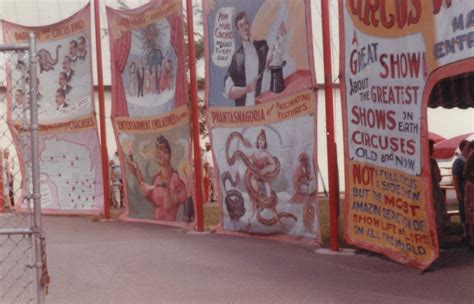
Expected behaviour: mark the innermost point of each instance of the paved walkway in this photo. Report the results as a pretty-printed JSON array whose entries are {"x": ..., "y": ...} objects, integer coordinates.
[{"x": 117, "y": 262}]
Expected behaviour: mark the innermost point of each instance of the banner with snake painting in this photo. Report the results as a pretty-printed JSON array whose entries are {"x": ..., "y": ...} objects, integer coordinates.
[
  {"x": 150, "y": 112},
  {"x": 397, "y": 59},
  {"x": 71, "y": 172},
  {"x": 262, "y": 116}
]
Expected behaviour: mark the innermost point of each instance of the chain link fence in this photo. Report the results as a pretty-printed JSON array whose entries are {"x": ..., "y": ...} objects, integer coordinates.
[{"x": 23, "y": 274}]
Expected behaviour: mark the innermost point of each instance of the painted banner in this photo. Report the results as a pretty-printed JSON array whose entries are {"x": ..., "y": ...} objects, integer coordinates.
[
  {"x": 150, "y": 112},
  {"x": 392, "y": 54},
  {"x": 158, "y": 171},
  {"x": 65, "y": 87},
  {"x": 70, "y": 164},
  {"x": 262, "y": 115},
  {"x": 148, "y": 64}
]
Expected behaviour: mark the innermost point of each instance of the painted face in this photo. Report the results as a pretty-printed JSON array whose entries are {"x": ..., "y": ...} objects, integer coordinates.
[
  {"x": 81, "y": 45},
  {"x": 162, "y": 154},
  {"x": 243, "y": 27},
  {"x": 59, "y": 99},
  {"x": 62, "y": 80},
  {"x": 66, "y": 64},
  {"x": 72, "y": 50},
  {"x": 261, "y": 141}
]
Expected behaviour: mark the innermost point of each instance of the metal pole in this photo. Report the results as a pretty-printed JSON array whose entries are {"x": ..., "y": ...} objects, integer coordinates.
[
  {"x": 103, "y": 138},
  {"x": 331, "y": 144},
  {"x": 195, "y": 118},
  {"x": 35, "y": 171}
]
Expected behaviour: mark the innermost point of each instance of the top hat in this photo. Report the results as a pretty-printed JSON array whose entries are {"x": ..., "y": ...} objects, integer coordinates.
[{"x": 277, "y": 83}]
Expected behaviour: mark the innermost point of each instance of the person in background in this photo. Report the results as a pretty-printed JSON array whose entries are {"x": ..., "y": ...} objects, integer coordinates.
[
  {"x": 209, "y": 178},
  {"x": 469, "y": 196},
  {"x": 459, "y": 181},
  {"x": 18, "y": 107},
  {"x": 118, "y": 174},
  {"x": 115, "y": 186},
  {"x": 439, "y": 199},
  {"x": 7, "y": 178}
]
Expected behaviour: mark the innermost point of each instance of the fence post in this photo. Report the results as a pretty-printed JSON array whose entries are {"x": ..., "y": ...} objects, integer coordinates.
[{"x": 37, "y": 242}]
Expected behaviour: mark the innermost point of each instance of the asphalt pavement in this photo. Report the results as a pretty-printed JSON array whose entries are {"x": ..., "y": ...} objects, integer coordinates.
[{"x": 120, "y": 262}]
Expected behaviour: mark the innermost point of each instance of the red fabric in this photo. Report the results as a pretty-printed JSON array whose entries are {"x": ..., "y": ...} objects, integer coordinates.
[
  {"x": 120, "y": 50},
  {"x": 177, "y": 34},
  {"x": 446, "y": 148},
  {"x": 297, "y": 81},
  {"x": 435, "y": 137}
]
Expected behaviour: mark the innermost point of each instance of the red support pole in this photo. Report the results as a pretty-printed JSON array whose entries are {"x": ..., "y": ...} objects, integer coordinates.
[
  {"x": 331, "y": 144},
  {"x": 103, "y": 138},
  {"x": 195, "y": 118}
]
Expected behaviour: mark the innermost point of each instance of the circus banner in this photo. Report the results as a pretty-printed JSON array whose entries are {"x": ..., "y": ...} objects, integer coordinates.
[
  {"x": 392, "y": 55},
  {"x": 64, "y": 79},
  {"x": 147, "y": 53},
  {"x": 70, "y": 166},
  {"x": 262, "y": 116},
  {"x": 150, "y": 112},
  {"x": 71, "y": 176},
  {"x": 158, "y": 168}
]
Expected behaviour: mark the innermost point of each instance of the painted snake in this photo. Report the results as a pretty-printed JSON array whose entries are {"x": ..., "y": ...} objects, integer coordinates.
[{"x": 234, "y": 199}]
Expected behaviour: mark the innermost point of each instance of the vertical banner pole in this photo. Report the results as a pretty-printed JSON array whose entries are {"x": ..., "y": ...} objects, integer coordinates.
[
  {"x": 103, "y": 138},
  {"x": 195, "y": 118},
  {"x": 331, "y": 144}
]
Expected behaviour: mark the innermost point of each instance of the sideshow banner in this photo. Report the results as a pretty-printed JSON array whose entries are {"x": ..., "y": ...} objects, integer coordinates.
[
  {"x": 262, "y": 115},
  {"x": 64, "y": 79},
  {"x": 70, "y": 166},
  {"x": 267, "y": 169},
  {"x": 157, "y": 167},
  {"x": 388, "y": 55},
  {"x": 148, "y": 63},
  {"x": 257, "y": 50}
]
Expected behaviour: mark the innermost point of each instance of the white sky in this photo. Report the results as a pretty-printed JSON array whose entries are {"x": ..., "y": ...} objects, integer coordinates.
[
  {"x": 447, "y": 123},
  {"x": 44, "y": 12}
]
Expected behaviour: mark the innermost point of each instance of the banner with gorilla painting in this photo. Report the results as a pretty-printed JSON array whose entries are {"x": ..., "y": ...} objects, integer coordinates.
[
  {"x": 70, "y": 162},
  {"x": 147, "y": 54},
  {"x": 262, "y": 115}
]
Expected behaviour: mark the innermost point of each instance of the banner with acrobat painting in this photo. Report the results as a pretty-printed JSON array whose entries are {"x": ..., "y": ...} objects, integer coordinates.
[
  {"x": 147, "y": 56},
  {"x": 158, "y": 169},
  {"x": 256, "y": 50},
  {"x": 391, "y": 59},
  {"x": 64, "y": 78}
]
